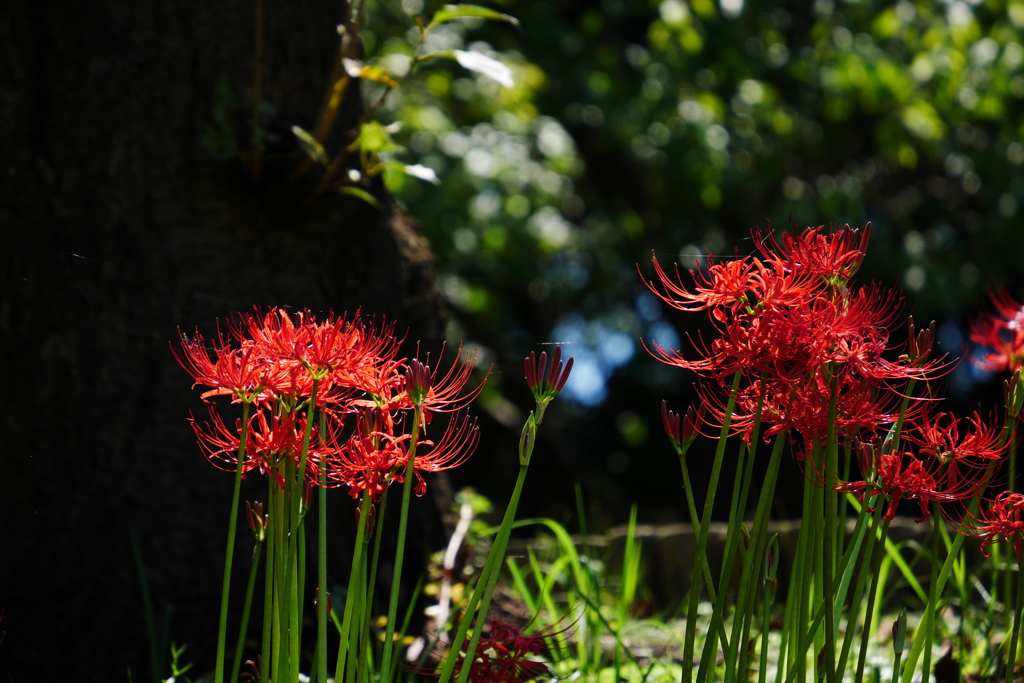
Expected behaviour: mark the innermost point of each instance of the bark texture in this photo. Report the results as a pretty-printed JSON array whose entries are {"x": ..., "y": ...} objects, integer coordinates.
[{"x": 118, "y": 227}]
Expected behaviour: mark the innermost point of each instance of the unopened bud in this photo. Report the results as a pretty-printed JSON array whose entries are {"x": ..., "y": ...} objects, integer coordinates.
[
  {"x": 316, "y": 600},
  {"x": 257, "y": 520},
  {"x": 771, "y": 559},
  {"x": 899, "y": 632},
  {"x": 867, "y": 459},
  {"x": 307, "y": 498},
  {"x": 1013, "y": 394},
  {"x": 371, "y": 521},
  {"x": 527, "y": 440},
  {"x": 920, "y": 344},
  {"x": 417, "y": 382},
  {"x": 545, "y": 383}
]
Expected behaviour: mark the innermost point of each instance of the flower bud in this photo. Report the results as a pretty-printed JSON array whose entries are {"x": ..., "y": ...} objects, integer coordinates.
[
  {"x": 417, "y": 382},
  {"x": 899, "y": 632},
  {"x": 316, "y": 600},
  {"x": 771, "y": 559},
  {"x": 527, "y": 440},
  {"x": 920, "y": 344},
  {"x": 1013, "y": 394},
  {"x": 257, "y": 520},
  {"x": 545, "y": 383}
]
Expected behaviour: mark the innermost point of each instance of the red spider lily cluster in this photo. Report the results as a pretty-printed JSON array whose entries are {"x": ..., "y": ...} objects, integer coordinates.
[
  {"x": 1001, "y": 334},
  {"x": 331, "y": 398},
  {"x": 506, "y": 655},
  {"x": 815, "y": 361}
]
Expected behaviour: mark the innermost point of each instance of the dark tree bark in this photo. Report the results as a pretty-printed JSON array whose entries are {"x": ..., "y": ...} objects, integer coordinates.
[{"x": 119, "y": 226}]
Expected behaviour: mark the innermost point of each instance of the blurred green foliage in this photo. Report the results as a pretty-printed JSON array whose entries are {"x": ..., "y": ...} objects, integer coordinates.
[{"x": 673, "y": 127}]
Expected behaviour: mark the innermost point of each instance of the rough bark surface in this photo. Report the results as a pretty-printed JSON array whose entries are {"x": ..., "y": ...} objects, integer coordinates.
[{"x": 118, "y": 227}]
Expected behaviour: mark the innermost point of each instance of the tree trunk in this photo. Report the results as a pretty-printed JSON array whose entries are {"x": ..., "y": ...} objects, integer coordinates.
[{"x": 120, "y": 223}]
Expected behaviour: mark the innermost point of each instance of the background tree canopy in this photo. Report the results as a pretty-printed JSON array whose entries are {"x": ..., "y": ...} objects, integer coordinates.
[{"x": 673, "y": 127}]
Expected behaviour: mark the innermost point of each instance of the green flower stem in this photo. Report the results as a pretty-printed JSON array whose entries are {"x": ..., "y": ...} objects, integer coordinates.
[
  {"x": 922, "y": 637},
  {"x": 403, "y": 525},
  {"x": 229, "y": 555},
  {"x": 748, "y": 584},
  {"x": 702, "y": 534},
  {"x": 374, "y": 559},
  {"x": 1015, "y": 606},
  {"x": 321, "y": 578},
  {"x": 735, "y": 528},
  {"x": 354, "y": 607},
  {"x": 766, "y": 613},
  {"x": 864, "y": 575},
  {"x": 694, "y": 522},
  {"x": 933, "y": 599},
  {"x": 278, "y": 522},
  {"x": 268, "y": 585},
  {"x": 480, "y": 600},
  {"x": 866, "y": 631},
  {"x": 795, "y": 616},
  {"x": 236, "y": 666}
]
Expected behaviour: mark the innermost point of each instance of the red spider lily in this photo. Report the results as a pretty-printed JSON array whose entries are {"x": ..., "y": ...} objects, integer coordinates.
[
  {"x": 269, "y": 442},
  {"x": 239, "y": 372},
  {"x": 938, "y": 434},
  {"x": 970, "y": 457},
  {"x": 543, "y": 382},
  {"x": 506, "y": 655},
  {"x": 1002, "y": 333},
  {"x": 834, "y": 256},
  {"x": 348, "y": 348},
  {"x": 367, "y": 461},
  {"x": 447, "y": 393},
  {"x": 900, "y": 476},
  {"x": 454, "y": 448},
  {"x": 909, "y": 475},
  {"x": 732, "y": 287},
  {"x": 1003, "y": 521},
  {"x": 373, "y": 457}
]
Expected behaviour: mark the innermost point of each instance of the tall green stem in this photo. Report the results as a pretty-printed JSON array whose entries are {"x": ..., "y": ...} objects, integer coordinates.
[
  {"x": 702, "y": 535},
  {"x": 1011, "y": 655},
  {"x": 230, "y": 553},
  {"x": 403, "y": 525}
]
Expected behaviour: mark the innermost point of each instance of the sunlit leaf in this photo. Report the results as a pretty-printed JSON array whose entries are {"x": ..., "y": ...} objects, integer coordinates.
[
  {"x": 422, "y": 172},
  {"x": 313, "y": 148},
  {"x": 360, "y": 193},
  {"x": 487, "y": 66},
  {"x": 452, "y": 12},
  {"x": 374, "y": 137},
  {"x": 357, "y": 69}
]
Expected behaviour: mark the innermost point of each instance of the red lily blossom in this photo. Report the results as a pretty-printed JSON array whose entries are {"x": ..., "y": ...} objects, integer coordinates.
[
  {"x": 374, "y": 456},
  {"x": 269, "y": 441},
  {"x": 1001, "y": 333},
  {"x": 506, "y": 655},
  {"x": 1002, "y": 521},
  {"x": 239, "y": 372},
  {"x": 917, "y": 475},
  {"x": 835, "y": 256},
  {"x": 899, "y": 476}
]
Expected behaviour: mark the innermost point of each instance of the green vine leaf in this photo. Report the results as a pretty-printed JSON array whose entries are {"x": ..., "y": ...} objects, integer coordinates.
[
  {"x": 313, "y": 148},
  {"x": 360, "y": 193},
  {"x": 452, "y": 12},
  {"x": 357, "y": 69}
]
